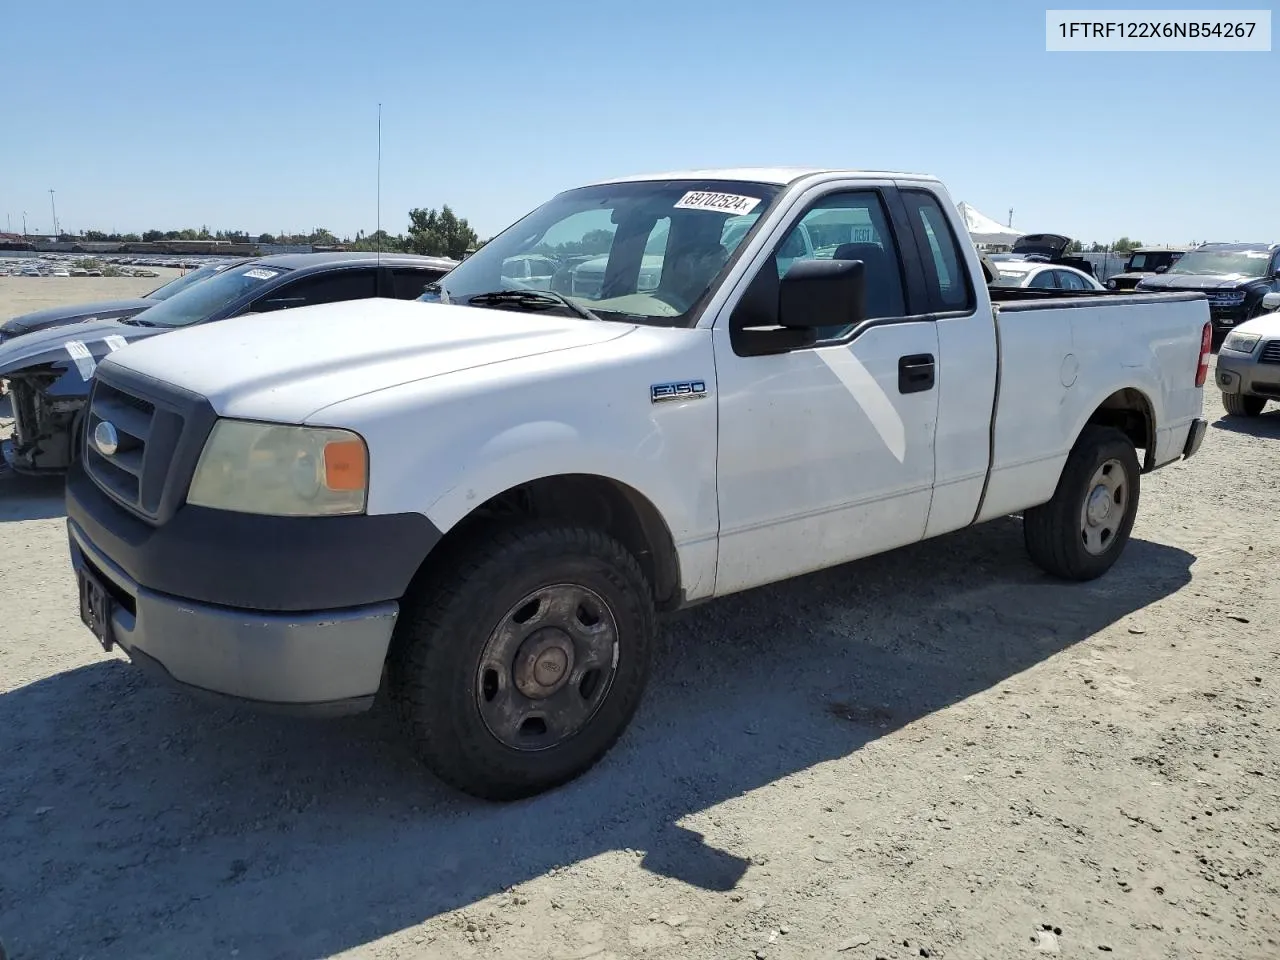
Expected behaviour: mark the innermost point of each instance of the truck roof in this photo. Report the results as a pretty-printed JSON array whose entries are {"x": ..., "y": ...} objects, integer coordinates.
[{"x": 777, "y": 175}]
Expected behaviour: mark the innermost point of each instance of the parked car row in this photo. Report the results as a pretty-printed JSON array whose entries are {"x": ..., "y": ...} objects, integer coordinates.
[
  {"x": 48, "y": 358},
  {"x": 646, "y": 393}
]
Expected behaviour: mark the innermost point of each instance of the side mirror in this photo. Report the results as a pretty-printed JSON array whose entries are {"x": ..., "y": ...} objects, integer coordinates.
[
  {"x": 1271, "y": 301},
  {"x": 1162, "y": 269},
  {"x": 776, "y": 316}
]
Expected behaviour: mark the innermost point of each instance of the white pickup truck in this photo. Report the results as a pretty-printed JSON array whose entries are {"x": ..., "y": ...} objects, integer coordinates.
[{"x": 478, "y": 505}]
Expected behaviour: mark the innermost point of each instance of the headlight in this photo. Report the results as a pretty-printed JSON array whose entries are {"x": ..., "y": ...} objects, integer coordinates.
[
  {"x": 1241, "y": 342},
  {"x": 282, "y": 471}
]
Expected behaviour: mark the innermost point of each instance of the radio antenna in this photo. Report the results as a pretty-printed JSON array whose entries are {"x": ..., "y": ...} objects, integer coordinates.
[{"x": 378, "y": 215}]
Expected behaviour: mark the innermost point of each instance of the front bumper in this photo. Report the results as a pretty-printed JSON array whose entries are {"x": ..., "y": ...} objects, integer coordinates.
[
  {"x": 329, "y": 662},
  {"x": 291, "y": 612},
  {"x": 1228, "y": 317},
  {"x": 1242, "y": 373}
]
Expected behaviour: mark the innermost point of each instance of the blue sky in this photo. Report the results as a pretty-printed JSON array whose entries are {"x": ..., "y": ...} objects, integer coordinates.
[{"x": 262, "y": 116}]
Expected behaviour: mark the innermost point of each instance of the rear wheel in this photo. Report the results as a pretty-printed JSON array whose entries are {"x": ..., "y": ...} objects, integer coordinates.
[
  {"x": 1243, "y": 404},
  {"x": 519, "y": 662},
  {"x": 1082, "y": 531}
]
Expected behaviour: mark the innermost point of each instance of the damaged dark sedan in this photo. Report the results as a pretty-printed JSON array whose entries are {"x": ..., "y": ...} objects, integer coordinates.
[{"x": 48, "y": 371}]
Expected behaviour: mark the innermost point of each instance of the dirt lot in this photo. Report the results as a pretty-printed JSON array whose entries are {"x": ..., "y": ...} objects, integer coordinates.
[{"x": 938, "y": 753}]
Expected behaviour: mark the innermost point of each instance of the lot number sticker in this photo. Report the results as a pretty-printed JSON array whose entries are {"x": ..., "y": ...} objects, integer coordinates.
[
  {"x": 720, "y": 202},
  {"x": 257, "y": 273},
  {"x": 85, "y": 363}
]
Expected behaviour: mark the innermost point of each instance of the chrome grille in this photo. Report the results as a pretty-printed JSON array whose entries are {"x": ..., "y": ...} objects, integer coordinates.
[
  {"x": 136, "y": 472},
  {"x": 1270, "y": 352}
]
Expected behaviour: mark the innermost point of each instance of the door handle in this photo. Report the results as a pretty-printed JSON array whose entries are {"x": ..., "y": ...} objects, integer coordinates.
[{"x": 916, "y": 373}]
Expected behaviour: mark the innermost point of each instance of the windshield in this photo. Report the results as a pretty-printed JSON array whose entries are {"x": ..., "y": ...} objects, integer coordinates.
[
  {"x": 200, "y": 300},
  {"x": 1224, "y": 263},
  {"x": 178, "y": 284},
  {"x": 642, "y": 252}
]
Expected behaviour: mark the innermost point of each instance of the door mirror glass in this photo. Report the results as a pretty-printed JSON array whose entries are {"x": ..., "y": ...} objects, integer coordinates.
[{"x": 1271, "y": 301}]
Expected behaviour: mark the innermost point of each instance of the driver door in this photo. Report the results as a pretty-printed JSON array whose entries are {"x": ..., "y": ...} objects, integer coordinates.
[{"x": 826, "y": 453}]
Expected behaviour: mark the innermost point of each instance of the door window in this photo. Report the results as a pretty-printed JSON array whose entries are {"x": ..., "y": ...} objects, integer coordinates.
[
  {"x": 409, "y": 283},
  {"x": 1044, "y": 279},
  {"x": 322, "y": 288},
  {"x": 850, "y": 226}
]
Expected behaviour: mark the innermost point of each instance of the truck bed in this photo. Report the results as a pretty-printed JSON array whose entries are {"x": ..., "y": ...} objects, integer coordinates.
[{"x": 1053, "y": 375}]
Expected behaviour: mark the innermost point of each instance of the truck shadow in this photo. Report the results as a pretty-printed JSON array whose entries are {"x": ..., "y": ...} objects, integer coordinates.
[
  {"x": 30, "y": 498},
  {"x": 1266, "y": 425},
  {"x": 138, "y": 822}
]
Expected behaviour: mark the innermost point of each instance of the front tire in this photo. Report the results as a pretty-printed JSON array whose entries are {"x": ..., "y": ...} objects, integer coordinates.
[
  {"x": 1243, "y": 404},
  {"x": 1081, "y": 532},
  {"x": 519, "y": 661}
]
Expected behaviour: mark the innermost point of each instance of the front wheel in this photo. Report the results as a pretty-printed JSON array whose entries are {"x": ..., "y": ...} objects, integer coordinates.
[
  {"x": 519, "y": 662},
  {"x": 1082, "y": 531},
  {"x": 1243, "y": 404}
]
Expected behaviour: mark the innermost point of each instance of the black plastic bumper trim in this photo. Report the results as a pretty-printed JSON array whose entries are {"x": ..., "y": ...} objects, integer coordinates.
[{"x": 256, "y": 562}]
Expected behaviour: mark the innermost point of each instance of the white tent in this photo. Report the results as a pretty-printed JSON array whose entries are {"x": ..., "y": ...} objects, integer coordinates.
[{"x": 984, "y": 230}]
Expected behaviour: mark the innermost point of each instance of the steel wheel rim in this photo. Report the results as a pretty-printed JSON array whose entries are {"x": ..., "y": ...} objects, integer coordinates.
[
  {"x": 1106, "y": 504},
  {"x": 547, "y": 667}
]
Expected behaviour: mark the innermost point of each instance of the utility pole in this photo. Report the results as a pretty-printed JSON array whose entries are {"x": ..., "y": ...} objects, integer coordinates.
[
  {"x": 1010, "y": 223},
  {"x": 54, "y": 210},
  {"x": 24, "y": 224}
]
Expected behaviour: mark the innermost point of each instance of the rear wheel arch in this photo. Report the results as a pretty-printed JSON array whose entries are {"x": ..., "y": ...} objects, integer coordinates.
[{"x": 1130, "y": 411}]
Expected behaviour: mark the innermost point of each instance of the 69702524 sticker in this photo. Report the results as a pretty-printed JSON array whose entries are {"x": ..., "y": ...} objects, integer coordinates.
[{"x": 731, "y": 203}]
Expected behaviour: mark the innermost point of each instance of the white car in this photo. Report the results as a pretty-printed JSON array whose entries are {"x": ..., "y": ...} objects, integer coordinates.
[
  {"x": 1249, "y": 362},
  {"x": 479, "y": 505},
  {"x": 1029, "y": 274}
]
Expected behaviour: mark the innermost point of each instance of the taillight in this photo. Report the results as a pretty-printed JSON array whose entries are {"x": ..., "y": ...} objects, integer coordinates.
[{"x": 1206, "y": 349}]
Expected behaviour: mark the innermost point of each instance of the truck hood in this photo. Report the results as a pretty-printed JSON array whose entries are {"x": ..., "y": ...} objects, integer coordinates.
[
  {"x": 56, "y": 316},
  {"x": 287, "y": 365},
  {"x": 50, "y": 345},
  {"x": 1195, "y": 281}
]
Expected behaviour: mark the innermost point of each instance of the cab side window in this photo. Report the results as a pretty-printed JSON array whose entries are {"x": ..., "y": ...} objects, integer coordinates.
[
  {"x": 943, "y": 262},
  {"x": 850, "y": 226},
  {"x": 1044, "y": 279}
]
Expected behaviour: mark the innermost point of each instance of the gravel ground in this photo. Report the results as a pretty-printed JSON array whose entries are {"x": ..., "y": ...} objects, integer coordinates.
[{"x": 938, "y": 752}]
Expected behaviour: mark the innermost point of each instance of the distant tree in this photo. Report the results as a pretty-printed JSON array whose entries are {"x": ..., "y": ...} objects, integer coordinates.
[
  {"x": 1124, "y": 245},
  {"x": 130, "y": 238},
  {"x": 151, "y": 236},
  {"x": 1075, "y": 247},
  {"x": 321, "y": 237},
  {"x": 266, "y": 238},
  {"x": 95, "y": 235},
  {"x": 440, "y": 234}
]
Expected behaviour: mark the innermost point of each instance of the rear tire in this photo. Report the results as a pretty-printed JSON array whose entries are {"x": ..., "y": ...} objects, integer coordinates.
[
  {"x": 1081, "y": 532},
  {"x": 1243, "y": 404},
  {"x": 520, "y": 658}
]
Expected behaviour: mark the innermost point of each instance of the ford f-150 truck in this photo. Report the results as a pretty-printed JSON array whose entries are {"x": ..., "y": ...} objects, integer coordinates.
[{"x": 477, "y": 506}]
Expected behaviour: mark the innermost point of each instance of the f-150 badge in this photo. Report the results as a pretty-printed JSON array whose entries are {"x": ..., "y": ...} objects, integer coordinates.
[{"x": 681, "y": 390}]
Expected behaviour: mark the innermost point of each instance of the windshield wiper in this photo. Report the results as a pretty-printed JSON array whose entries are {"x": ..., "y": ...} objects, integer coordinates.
[
  {"x": 532, "y": 299},
  {"x": 135, "y": 322}
]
